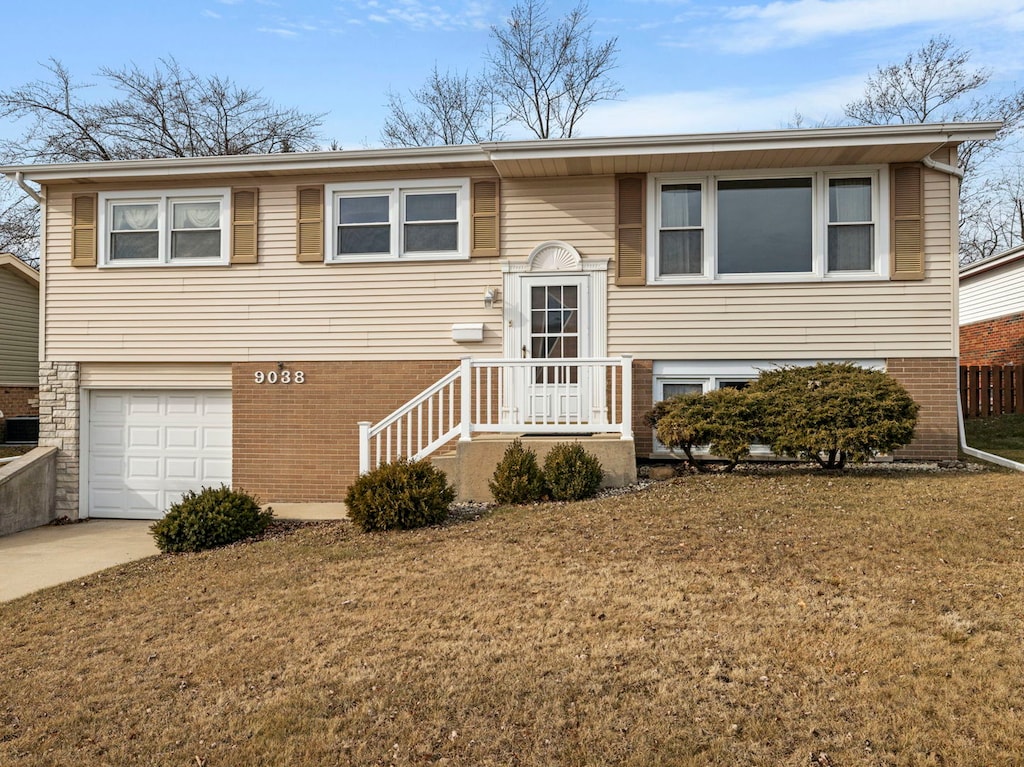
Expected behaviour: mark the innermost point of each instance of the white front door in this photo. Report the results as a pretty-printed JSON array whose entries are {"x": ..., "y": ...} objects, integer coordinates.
[{"x": 555, "y": 325}]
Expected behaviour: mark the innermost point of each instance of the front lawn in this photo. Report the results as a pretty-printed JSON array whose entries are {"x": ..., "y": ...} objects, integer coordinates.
[
  {"x": 750, "y": 619},
  {"x": 1002, "y": 435}
]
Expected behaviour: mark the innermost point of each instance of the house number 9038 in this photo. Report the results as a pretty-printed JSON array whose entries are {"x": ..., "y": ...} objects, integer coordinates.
[{"x": 282, "y": 377}]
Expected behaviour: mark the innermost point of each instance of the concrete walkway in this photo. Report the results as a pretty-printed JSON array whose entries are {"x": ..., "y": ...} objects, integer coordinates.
[{"x": 45, "y": 556}]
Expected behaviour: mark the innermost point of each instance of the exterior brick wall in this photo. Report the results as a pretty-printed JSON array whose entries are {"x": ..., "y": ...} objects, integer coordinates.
[
  {"x": 932, "y": 382},
  {"x": 59, "y": 417},
  {"x": 300, "y": 442},
  {"x": 643, "y": 400},
  {"x": 993, "y": 342},
  {"x": 17, "y": 401}
]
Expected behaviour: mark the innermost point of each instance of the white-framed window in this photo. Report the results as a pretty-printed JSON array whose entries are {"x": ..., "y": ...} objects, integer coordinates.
[
  {"x": 372, "y": 221},
  {"x": 672, "y": 377},
  {"x": 793, "y": 225},
  {"x": 184, "y": 227}
]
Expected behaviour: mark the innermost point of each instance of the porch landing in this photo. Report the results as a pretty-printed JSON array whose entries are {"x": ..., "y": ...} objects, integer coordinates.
[{"x": 472, "y": 464}]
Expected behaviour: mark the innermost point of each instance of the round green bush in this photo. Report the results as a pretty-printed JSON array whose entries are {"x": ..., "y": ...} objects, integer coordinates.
[
  {"x": 517, "y": 478},
  {"x": 400, "y": 496},
  {"x": 571, "y": 473},
  {"x": 210, "y": 518}
]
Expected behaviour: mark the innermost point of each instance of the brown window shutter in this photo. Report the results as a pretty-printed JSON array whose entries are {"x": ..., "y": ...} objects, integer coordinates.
[
  {"x": 310, "y": 229},
  {"x": 83, "y": 229},
  {"x": 486, "y": 218},
  {"x": 244, "y": 212},
  {"x": 907, "y": 223},
  {"x": 630, "y": 255}
]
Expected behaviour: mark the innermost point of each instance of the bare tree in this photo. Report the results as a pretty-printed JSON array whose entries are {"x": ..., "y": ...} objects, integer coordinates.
[
  {"x": 169, "y": 112},
  {"x": 448, "y": 109},
  {"x": 938, "y": 84},
  {"x": 548, "y": 74},
  {"x": 19, "y": 227}
]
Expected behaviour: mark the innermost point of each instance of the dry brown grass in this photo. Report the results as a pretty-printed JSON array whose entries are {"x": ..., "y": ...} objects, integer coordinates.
[{"x": 720, "y": 620}]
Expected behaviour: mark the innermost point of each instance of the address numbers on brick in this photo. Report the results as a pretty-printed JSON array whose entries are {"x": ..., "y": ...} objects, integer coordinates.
[{"x": 279, "y": 377}]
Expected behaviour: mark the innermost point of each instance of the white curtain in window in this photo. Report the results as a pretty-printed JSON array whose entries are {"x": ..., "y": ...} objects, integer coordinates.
[
  {"x": 134, "y": 217},
  {"x": 849, "y": 199},
  {"x": 196, "y": 215}
]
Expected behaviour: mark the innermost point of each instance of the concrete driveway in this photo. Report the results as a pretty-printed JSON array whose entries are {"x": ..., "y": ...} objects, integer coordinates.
[{"x": 45, "y": 556}]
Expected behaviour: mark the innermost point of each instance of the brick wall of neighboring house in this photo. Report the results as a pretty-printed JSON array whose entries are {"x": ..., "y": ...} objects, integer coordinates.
[
  {"x": 999, "y": 341},
  {"x": 299, "y": 442},
  {"x": 932, "y": 382},
  {"x": 17, "y": 401}
]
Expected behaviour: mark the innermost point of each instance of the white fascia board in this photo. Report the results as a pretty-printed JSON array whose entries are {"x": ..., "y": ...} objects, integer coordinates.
[
  {"x": 291, "y": 162},
  {"x": 931, "y": 136}
]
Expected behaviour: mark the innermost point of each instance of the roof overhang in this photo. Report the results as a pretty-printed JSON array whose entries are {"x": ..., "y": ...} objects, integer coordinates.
[
  {"x": 1006, "y": 258},
  {"x": 15, "y": 265},
  {"x": 559, "y": 157}
]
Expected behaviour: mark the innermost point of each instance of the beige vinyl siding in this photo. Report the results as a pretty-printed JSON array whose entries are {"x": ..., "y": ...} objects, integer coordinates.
[
  {"x": 580, "y": 211},
  {"x": 278, "y": 309},
  {"x": 832, "y": 319},
  {"x": 19, "y": 331},
  {"x": 182, "y": 375}
]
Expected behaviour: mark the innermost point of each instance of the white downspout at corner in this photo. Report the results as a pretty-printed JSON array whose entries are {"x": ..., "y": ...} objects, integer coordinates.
[
  {"x": 19, "y": 179},
  {"x": 942, "y": 167}
]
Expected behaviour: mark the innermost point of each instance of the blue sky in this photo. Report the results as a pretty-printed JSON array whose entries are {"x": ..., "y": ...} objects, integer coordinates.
[{"x": 685, "y": 66}]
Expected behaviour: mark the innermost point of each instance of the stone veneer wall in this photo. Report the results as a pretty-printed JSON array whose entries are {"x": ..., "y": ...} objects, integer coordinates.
[{"x": 59, "y": 428}]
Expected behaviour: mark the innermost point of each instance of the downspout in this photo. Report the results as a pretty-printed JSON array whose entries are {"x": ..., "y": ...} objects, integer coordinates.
[
  {"x": 980, "y": 454},
  {"x": 19, "y": 179},
  {"x": 942, "y": 167}
]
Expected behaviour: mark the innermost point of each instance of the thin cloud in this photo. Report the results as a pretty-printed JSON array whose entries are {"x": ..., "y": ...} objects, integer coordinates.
[
  {"x": 724, "y": 109},
  {"x": 210, "y": 14},
  {"x": 279, "y": 31},
  {"x": 787, "y": 23}
]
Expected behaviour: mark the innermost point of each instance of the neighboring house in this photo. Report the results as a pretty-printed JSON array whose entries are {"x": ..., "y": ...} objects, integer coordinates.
[
  {"x": 19, "y": 340},
  {"x": 992, "y": 310},
  {"x": 233, "y": 319}
]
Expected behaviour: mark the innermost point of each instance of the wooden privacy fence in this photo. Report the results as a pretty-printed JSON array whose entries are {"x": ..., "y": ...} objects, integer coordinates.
[{"x": 991, "y": 390}]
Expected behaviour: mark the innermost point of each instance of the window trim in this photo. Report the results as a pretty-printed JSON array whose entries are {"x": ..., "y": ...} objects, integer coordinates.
[
  {"x": 164, "y": 199},
  {"x": 397, "y": 192},
  {"x": 820, "y": 178}
]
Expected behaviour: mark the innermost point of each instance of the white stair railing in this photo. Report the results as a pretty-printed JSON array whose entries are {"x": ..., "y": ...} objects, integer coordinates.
[{"x": 520, "y": 396}]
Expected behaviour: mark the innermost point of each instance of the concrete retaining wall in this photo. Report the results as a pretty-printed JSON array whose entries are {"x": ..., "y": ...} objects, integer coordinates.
[{"x": 28, "y": 491}]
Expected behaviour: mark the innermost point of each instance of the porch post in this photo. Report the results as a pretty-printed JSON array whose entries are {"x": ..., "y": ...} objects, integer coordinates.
[
  {"x": 466, "y": 397},
  {"x": 627, "y": 396},
  {"x": 364, "y": 446}
]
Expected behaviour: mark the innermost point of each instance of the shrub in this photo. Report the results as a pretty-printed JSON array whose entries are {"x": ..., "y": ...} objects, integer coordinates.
[
  {"x": 400, "y": 495},
  {"x": 571, "y": 473},
  {"x": 210, "y": 518},
  {"x": 723, "y": 420},
  {"x": 517, "y": 477},
  {"x": 833, "y": 412}
]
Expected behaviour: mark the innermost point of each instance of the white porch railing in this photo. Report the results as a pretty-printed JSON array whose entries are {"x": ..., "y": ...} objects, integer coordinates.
[{"x": 519, "y": 396}]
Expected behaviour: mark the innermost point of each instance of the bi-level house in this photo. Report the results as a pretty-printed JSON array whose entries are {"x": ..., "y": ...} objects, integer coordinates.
[{"x": 280, "y": 322}]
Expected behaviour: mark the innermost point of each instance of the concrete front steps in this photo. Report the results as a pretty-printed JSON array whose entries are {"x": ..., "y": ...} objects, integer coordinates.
[{"x": 471, "y": 464}]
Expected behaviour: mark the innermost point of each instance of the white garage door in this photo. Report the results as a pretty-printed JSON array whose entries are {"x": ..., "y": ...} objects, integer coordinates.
[{"x": 146, "y": 448}]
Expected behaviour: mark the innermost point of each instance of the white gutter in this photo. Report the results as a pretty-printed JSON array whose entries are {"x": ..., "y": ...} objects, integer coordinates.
[
  {"x": 980, "y": 454},
  {"x": 942, "y": 167},
  {"x": 19, "y": 179}
]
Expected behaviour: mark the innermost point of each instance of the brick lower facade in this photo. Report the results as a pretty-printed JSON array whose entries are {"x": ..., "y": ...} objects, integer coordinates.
[
  {"x": 999, "y": 341},
  {"x": 300, "y": 442},
  {"x": 932, "y": 382}
]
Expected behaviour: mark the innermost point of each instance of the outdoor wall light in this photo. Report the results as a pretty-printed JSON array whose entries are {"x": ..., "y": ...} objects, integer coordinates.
[{"x": 489, "y": 297}]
